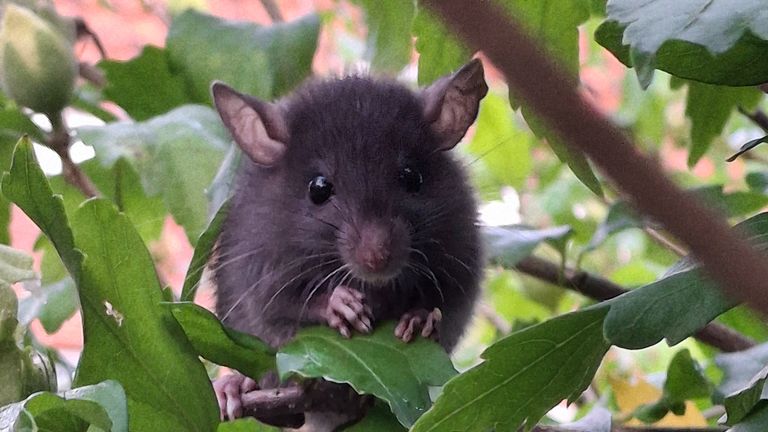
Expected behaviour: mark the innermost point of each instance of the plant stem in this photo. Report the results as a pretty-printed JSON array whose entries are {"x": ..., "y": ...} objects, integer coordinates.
[
  {"x": 273, "y": 10},
  {"x": 59, "y": 141}
]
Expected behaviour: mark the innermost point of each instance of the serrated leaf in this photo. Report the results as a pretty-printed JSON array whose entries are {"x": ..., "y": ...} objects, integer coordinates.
[
  {"x": 523, "y": 376},
  {"x": 262, "y": 61},
  {"x": 146, "y": 85},
  {"x": 130, "y": 334},
  {"x": 509, "y": 245},
  {"x": 389, "y": 42},
  {"x": 717, "y": 41},
  {"x": 440, "y": 53},
  {"x": 176, "y": 154},
  {"x": 222, "y": 345},
  {"x": 203, "y": 251},
  {"x": 501, "y": 151},
  {"x": 379, "y": 364},
  {"x": 709, "y": 107}
]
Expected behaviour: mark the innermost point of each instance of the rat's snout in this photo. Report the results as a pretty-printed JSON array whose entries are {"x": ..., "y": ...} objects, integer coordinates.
[{"x": 375, "y": 250}]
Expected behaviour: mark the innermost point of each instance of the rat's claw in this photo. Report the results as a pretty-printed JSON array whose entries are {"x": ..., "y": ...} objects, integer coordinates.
[
  {"x": 346, "y": 310},
  {"x": 418, "y": 321},
  {"x": 229, "y": 390}
]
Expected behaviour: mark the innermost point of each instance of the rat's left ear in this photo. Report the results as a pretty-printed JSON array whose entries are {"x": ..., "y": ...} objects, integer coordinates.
[{"x": 451, "y": 103}]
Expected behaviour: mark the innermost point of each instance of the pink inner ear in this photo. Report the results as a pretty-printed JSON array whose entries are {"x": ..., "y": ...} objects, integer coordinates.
[
  {"x": 451, "y": 103},
  {"x": 247, "y": 125}
]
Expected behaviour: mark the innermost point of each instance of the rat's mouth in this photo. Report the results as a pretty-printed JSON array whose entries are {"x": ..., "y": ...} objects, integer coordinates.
[{"x": 377, "y": 278}]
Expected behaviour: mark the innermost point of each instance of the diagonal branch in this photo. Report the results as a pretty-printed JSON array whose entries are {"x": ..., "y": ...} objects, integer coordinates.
[
  {"x": 739, "y": 269},
  {"x": 597, "y": 288}
]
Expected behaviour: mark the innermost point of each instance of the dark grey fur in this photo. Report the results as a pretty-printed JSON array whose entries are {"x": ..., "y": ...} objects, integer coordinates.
[{"x": 359, "y": 133}]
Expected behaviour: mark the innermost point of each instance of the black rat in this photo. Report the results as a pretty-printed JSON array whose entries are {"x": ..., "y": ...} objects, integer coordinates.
[{"x": 348, "y": 211}]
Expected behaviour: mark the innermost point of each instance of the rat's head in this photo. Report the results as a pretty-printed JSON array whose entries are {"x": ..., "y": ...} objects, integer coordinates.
[{"x": 361, "y": 164}]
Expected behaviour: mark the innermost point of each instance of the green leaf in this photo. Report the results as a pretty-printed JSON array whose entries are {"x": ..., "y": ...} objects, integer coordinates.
[
  {"x": 176, "y": 154},
  {"x": 245, "y": 425},
  {"x": 378, "y": 364},
  {"x": 501, "y": 149},
  {"x": 222, "y": 345},
  {"x": 101, "y": 405},
  {"x": 263, "y": 61},
  {"x": 111, "y": 396},
  {"x": 125, "y": 189},
  {"x": 757, "y": 421},
  {"x": 723, "y": 42},
  {"x": 675, "y": 306},
  {"x": 740, "y": 403},
  {"x": 377, "y": 419},
  {"x": 671, "y": 308},
  {"x": 509, "y": 245},
  {"x": 709, "y": 107},
  {"x": 388, "y": 44},
  {"x": 203, "y": 252},
  {"x": 523, "y": 376},
  {"x": 440, "y": 53},
  {"x": 146, "y": 85},
  {"x": 28, "y": 188},
  {"x": 131, "y": 337},
  {"x": 15, "y": 266},
  {"x": 745, "y": 321},
  {"x": 685, "y": 379},
  {"x": 48, "y": 412}
]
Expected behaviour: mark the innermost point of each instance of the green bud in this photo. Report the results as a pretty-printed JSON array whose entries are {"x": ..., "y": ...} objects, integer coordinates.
[{"x": 37, "y": 62}]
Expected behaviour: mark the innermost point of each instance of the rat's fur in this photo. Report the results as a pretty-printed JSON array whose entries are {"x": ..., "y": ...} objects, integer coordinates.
[{"x": 278, "y": 251}]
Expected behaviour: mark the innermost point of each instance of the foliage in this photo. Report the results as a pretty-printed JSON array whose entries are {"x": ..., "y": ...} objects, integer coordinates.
[{"x": 531, "y": 345}]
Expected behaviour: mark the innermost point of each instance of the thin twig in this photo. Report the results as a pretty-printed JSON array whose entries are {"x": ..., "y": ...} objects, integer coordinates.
[
  {"x": 665, "y": 242},
  {"x": 758, "y": 117},
  {"x": 595, "y": 287},
  {"x": 92, "y": 74},
  {"x": 272, "y": 10},
  {"x": 59, "y": 141}
]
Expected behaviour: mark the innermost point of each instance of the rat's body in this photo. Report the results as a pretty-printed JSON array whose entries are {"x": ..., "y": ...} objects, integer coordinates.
[{"x": 349, "y": 212}]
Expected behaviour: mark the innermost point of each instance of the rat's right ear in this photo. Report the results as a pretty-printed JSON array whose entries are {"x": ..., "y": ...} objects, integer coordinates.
[{"x": 259, "y": 128}]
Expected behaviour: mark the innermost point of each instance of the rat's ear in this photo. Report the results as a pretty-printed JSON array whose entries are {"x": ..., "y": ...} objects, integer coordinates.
[
  {"x": 451, "y": 103},
  {"x": 259, "y": 128}
]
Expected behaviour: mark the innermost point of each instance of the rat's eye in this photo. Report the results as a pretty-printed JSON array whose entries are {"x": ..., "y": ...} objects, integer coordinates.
[
  {"x": 411, "y": 179},
  {"x": 320, "y": 189}
]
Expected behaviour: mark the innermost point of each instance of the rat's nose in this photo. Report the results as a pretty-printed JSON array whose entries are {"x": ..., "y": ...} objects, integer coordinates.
[{"x": 373, "y": 251}]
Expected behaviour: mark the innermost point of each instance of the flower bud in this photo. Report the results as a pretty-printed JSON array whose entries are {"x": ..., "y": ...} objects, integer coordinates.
[{"x": 37, "y": 62}]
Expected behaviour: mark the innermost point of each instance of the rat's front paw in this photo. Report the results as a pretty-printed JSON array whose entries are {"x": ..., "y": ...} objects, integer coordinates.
[
  {"x": 347, "y": 310},
  {"x": 229, "y": 390},
  {"x": 418, "y": 320}
]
